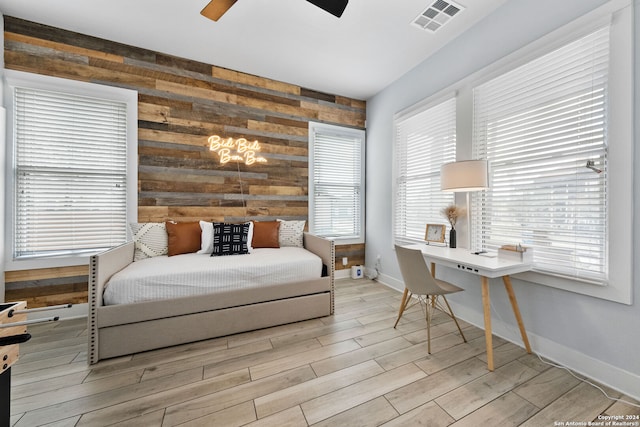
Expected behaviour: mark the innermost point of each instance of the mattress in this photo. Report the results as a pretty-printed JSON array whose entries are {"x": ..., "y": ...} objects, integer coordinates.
[{"x": 165, "y": 277}]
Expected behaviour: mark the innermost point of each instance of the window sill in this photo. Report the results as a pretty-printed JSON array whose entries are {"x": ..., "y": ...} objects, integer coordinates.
[
  {"x": 616, "y": 292},
  {"x": 50, "y": 262}
]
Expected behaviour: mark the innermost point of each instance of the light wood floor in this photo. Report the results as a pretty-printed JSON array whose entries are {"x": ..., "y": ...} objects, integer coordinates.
[{"x": 350, "y": 369}]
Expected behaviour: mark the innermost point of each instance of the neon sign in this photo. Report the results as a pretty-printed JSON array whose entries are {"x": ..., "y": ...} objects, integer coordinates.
[{"x": 236, "y": 150}]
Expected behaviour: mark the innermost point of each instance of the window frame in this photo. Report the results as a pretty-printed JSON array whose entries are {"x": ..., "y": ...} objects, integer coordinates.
[
  {"x": 341, "y": 131},
  {"x": 13, "y": 78}
]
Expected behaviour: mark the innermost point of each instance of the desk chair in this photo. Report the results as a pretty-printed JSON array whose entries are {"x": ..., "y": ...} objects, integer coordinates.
[{"x": 419, "y": 281}]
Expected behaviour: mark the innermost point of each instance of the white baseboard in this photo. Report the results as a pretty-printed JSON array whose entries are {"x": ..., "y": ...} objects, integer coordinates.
[
  {"x": 342, "y": 274},
  {"x": 618, "y": 379}
]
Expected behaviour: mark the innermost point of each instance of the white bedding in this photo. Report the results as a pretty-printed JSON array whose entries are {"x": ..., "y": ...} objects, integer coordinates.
[{"x": 165, "y": 277}]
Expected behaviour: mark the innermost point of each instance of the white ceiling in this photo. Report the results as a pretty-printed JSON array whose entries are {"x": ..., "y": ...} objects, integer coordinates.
[{"x": 293, "y": 41}]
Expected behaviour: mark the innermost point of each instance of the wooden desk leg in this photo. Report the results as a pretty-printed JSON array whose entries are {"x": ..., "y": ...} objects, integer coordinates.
[
  {"x": 486, "y": 305},
  {"x": 433, "y": 269},
  {"x": 516, "y": 311}
]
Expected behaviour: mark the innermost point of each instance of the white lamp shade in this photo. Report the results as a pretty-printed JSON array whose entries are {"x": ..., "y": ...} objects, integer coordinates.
[{"x": 467, "y": 175}]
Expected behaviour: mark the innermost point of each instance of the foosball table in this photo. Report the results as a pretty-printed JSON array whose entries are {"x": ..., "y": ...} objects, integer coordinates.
[{"x": 13, "y": 332}]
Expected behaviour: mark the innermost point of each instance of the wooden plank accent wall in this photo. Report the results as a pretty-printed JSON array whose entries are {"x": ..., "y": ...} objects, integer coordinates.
[{"x": 180, "y": 103}]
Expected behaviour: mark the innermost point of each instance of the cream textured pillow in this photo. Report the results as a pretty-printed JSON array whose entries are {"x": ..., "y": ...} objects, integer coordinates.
[
  {"x": 150, "y": 239},
  {"x": 291, "y": 233}
]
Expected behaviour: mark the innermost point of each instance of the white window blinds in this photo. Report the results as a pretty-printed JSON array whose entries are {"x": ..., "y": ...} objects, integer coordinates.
[
  {"x": 337, "y": 182},
  {"x": 70, "y": 166},
  {"x": 424, "y": 141},
  {"x": 538, "y": 126}
]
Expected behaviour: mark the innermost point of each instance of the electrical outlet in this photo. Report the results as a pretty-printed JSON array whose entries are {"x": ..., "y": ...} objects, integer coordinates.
[{"x": 345, "y": 261}]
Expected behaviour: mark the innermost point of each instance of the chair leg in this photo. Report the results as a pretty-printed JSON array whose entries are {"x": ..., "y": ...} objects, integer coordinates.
[
  {"x": 429, "y": 310},
  {"x": 403, "y": 305},
  {"x": 453, "y": 316}
]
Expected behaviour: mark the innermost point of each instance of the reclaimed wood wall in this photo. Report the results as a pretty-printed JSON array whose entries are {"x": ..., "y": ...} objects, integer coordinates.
[{"x": 180, "y": 103}]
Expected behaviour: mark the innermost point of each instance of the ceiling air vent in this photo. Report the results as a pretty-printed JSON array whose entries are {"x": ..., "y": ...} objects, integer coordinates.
[{"x": 437, "y": 15}]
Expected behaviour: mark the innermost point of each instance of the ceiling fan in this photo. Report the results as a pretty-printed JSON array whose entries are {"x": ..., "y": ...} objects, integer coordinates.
[{"x": 216, "y": 8}]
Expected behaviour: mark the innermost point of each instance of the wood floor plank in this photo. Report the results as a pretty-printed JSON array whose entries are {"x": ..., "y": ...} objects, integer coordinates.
[
  {"x": 274, "y": 332},
  {"x": 437, "y": 330},
  {"x": 150, "y": 419},
  {"x": 369, "y": 414},
  {"x": 440, "y": 360},
  {"x": 418, "y": 351},
  {"x": 583, "y": 403},
  {"x": 87, "y": 404},
  {"x": 292, "y": 417},
  {"x": 37, "y": 387},
  {"x": 253, "y": 359},
  {"x": 214, "y": 402},
  {"x": 67, "y": 422},
  {"x": 351, "y": 358},
  {"x": 237, "y": 415},
  {"x": 77, "y": 391},
  {"x": 313, "y": 332},
  {"x": 508, "y": 410},
  {"x": 463, "y": 401},
  {"x": 418, "y": 393},
  {"x": 43, "y": 364},
  {"x": 293, "y": 396},
  {"x": 44, "y": 374},
  {"x": 202, "y": 359},
  {"x": 390, "y": 333},
  {"x": 546, "y": 387},
  {"x": 136, "y": 406},
  {"x": 624, "y": 408},
  {"x": 504, "y": 353},
  {"x": 330, "y": 404},
  {"x": 295, "y": 360},
  {"x": 429, "y": 415},
  {"x": 217, "y": 353},
  {"x": 53, "y": 352}
]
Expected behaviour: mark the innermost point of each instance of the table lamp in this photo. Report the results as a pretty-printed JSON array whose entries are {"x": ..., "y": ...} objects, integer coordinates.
[{"x": 465, "y": 176}]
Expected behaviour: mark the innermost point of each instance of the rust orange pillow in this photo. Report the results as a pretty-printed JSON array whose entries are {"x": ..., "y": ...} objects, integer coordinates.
[
  {"x": 265, "y": 234},
  {"x": 183, "y": 237}
]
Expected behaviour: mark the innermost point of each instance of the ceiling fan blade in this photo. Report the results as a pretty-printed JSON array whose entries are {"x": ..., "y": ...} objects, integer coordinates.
[
  {"x": 216, "y": 8},
  {"x": 334, "y": 7}
]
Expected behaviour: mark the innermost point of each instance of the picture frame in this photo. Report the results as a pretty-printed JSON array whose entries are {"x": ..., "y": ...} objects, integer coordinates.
[{"x": 435, "y": 233}]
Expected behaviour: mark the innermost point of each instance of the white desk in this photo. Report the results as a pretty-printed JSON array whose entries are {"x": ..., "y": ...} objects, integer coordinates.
[{"x": 487, "y": 268}]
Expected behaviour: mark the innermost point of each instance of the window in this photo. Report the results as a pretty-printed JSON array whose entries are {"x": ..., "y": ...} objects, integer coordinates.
[
  {"x": 538, "y": 126},
  {"x": 70, "y": 162},
  {"x": 336, "y": 182},
  {"x": 538, "y": 115},
  {"x": 424, "y": 140}
]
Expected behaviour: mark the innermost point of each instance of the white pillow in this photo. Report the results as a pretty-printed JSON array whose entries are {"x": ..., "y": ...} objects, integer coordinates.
[
  {"x": 291, "y": 233},
  {"x": 150, "y": 239},
  {"x": 206, "y": 241}
]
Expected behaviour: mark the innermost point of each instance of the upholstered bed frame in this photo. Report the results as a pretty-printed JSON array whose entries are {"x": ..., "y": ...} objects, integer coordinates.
[{"x": 117, "y": 330}]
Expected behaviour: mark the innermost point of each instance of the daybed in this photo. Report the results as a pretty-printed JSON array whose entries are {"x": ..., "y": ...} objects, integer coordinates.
[{"x": 116, "y": 330}]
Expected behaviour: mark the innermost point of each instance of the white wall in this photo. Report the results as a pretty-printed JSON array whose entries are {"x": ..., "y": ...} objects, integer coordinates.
[{"x": 593, "y": 336}]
